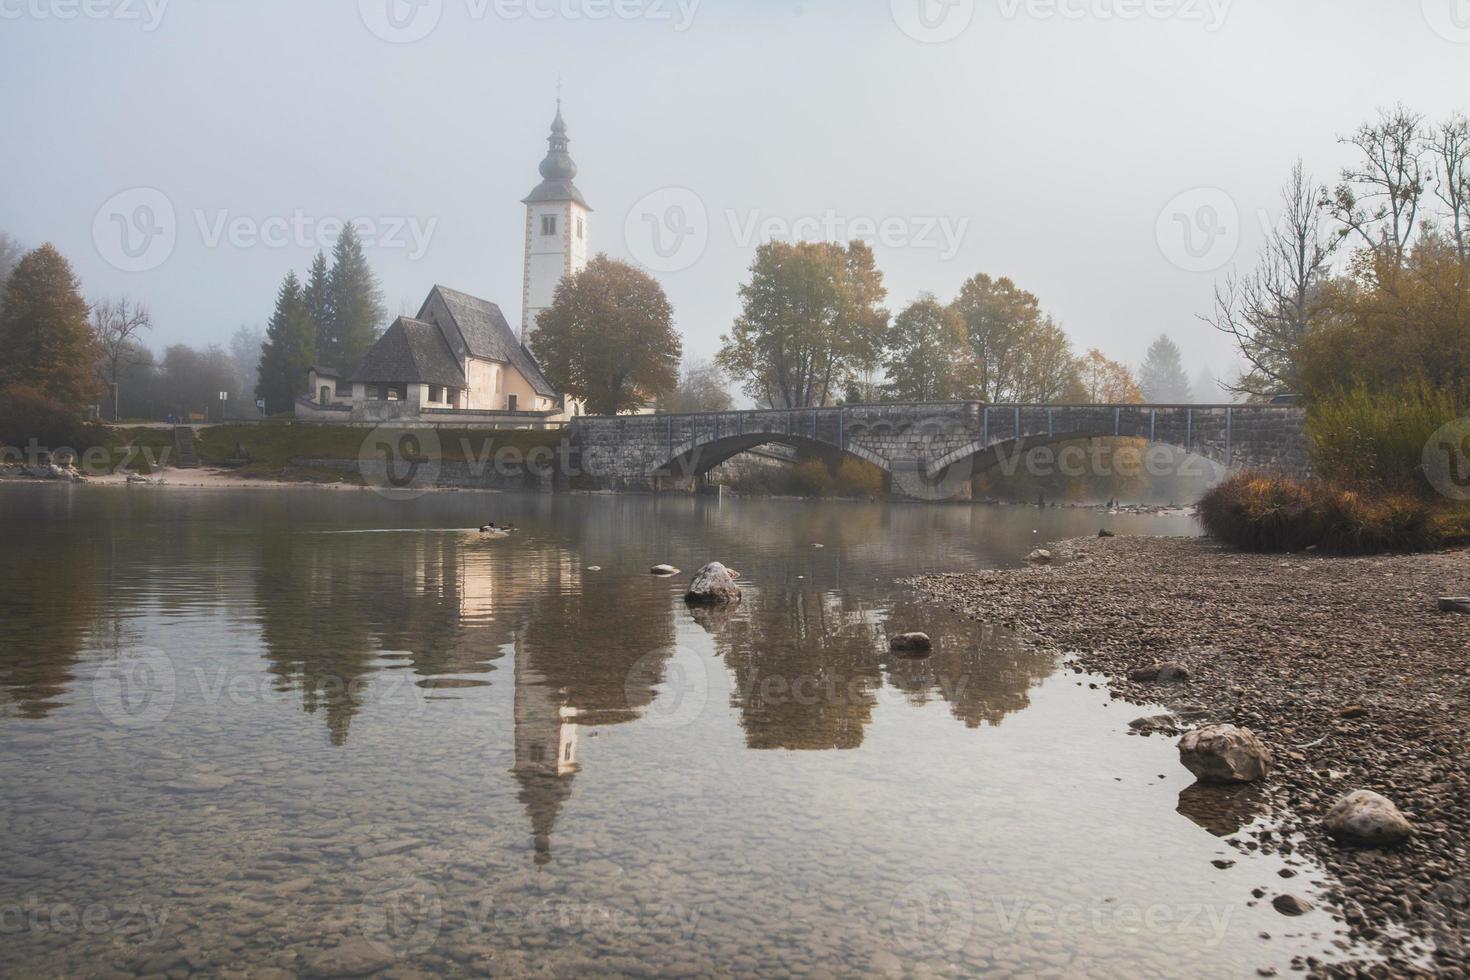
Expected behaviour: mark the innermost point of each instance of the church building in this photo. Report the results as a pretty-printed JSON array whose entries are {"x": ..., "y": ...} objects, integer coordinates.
[{"x": 458, "y": 361}]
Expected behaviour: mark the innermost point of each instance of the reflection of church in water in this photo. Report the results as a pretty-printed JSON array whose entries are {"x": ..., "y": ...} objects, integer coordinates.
[{"x": 545, "y": 750}]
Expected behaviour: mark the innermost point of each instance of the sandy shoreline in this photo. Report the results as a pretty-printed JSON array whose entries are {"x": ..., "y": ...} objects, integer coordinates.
[{"x": 1294, "y": 647}]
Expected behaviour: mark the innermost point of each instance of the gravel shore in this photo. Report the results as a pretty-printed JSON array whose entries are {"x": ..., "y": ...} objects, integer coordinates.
[{"x": 1343, "y": 666}]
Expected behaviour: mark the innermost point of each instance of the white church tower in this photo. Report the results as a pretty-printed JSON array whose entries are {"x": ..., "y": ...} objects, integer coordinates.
[{"x": 556, "y": 228}]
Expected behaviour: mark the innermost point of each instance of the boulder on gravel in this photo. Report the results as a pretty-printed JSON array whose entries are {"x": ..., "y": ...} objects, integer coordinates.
[
  {"x": 1167, "y": 724},
  {"x": 1041, "y": 556},
  {"x": 910, "y": 643},
  {"x": 1163, "y": 672},
  {"x": 712, "y": 585},
  {"x": 1454, "y": 604},
  {"x": 1224, "y": 754},
  {"x": 1367, "y": 819},
  {"x": 1291, "y": 905}
]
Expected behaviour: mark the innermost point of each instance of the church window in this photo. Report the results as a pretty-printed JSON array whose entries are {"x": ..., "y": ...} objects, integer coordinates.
[
  {"x": 548, "y": 224},
  {"x": 581, "y": 230}
]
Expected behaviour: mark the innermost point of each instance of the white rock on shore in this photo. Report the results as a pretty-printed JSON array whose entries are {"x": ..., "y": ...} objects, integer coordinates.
[
  {"x": 1367, "y": 819},
  {"x": 1225, "y": 754}
]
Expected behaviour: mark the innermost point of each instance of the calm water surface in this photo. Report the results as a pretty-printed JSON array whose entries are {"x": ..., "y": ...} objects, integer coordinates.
[{"x": 268, "y": 733}]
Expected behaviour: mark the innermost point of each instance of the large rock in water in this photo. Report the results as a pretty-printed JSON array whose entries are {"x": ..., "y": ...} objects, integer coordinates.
[
  {"x": 1365, "y": 818},
  {"x": 1224, "y": 754},
  {"x": 713, "y": 584}
]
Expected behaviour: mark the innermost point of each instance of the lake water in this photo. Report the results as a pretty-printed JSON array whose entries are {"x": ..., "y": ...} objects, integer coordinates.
[{"x": 266, "y": 733}]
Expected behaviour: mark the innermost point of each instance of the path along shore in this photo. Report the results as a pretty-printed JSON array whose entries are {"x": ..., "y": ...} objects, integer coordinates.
[{"x": 1344, "y": 667}]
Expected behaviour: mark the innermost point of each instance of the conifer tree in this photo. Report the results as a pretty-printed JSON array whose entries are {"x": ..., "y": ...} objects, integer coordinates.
[
  {"x": 1162, "y": 376},
  {"x": 288, "y": 350},
  {"x": 356, "y": 303},
  {"x": 318, "y": 297},
  {"x": 46, "y": 342}
]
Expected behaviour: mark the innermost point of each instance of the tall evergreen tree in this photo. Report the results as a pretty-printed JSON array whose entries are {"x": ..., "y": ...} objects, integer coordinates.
[
  {"x": 1162, "y": 376},
  {"x": 356, "y": 303},
  {"x": 288, "y": 350},
  {"x": 318, "y": 297},
  {"x": 46, "y": 342}
]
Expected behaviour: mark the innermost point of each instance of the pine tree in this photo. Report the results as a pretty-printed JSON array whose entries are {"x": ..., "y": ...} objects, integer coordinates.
[
  {"x": 46, "y": 342},
  {"x": 318, "y": 297},
  {"x": 287, "y": 353},
  {"x": 356, "y": 303},
  {"x": 1162, "y": 377}
]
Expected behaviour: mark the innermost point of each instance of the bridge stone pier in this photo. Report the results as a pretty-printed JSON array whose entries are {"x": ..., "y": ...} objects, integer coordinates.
[{"x": 929, "y": 451}]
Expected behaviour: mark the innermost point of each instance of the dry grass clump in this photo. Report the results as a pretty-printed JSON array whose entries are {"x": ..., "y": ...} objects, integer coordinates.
[{"x": 1267, "y": 512}]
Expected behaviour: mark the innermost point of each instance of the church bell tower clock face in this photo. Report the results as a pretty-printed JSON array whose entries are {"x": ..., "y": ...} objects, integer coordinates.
[{"x": 558, "y": 228}]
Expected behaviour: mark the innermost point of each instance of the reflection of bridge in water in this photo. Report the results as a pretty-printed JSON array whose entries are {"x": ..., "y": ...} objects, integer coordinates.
[{"x": 927, "y": 450}]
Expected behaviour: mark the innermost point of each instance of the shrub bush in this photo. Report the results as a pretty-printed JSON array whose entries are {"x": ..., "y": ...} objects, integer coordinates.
[
  {"x": 1375, "y": 439},
  {"x": 1269, "y": 512},
  {"x": 28, "y": 413},
  {"x": 858, "y": 478},
  {"x": 811, "y": 476}
]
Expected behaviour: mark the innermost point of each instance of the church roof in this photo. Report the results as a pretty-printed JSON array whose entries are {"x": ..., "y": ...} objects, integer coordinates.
[
  {"x": 487, "y": 335},
  {"x": 412, "y": 352}
]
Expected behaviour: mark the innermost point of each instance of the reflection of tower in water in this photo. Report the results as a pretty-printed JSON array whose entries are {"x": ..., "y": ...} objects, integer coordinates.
[{"x": 545, "y": 750}]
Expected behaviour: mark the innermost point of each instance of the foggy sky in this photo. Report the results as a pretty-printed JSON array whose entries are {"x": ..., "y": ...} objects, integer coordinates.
[{"x": 1047, "y": 139}]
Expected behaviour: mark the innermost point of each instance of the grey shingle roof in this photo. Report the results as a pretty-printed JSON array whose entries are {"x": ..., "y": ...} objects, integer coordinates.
[
  {"x": 555, "y": 190},
  {"x": 410, "y": 351},
  {"x": 487, "y": 335}
]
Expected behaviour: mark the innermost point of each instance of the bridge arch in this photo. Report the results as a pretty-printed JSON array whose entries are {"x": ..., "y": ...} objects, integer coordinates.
[{"x": 921, "y": 441}]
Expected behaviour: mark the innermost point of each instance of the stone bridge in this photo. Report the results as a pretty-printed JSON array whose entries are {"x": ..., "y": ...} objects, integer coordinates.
[{"x": 928, "y": 451}]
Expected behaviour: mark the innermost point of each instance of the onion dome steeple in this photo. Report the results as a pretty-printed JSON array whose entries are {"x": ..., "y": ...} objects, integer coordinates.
[{"x": 558, "y": 170}]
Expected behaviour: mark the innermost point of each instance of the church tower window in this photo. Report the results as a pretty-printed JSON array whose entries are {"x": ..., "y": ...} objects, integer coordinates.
[{"x": 548, "y": 224}]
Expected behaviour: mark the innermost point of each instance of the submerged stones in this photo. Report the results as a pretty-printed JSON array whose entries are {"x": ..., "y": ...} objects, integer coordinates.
[
  {"x": 1367, "y": 819},
  {"x": 712, "y": 585},
  {"x": 1224, "y": 754},
  {"x": 663, "y": 570},
  {"x": 1163, "y": 672},
  {"x": 910, "y": 643}
]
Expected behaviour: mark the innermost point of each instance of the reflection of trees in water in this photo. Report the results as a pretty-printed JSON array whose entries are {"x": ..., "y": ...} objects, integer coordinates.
[
  {"x": 805, "y": 668},
  {"x": 603, "y": 647},
  {"x": 330, "y": 602},
  {"x": 982, "y": 671},
  {"x": 47, "y": 594},
  {"x": 808, "y": 666}
]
